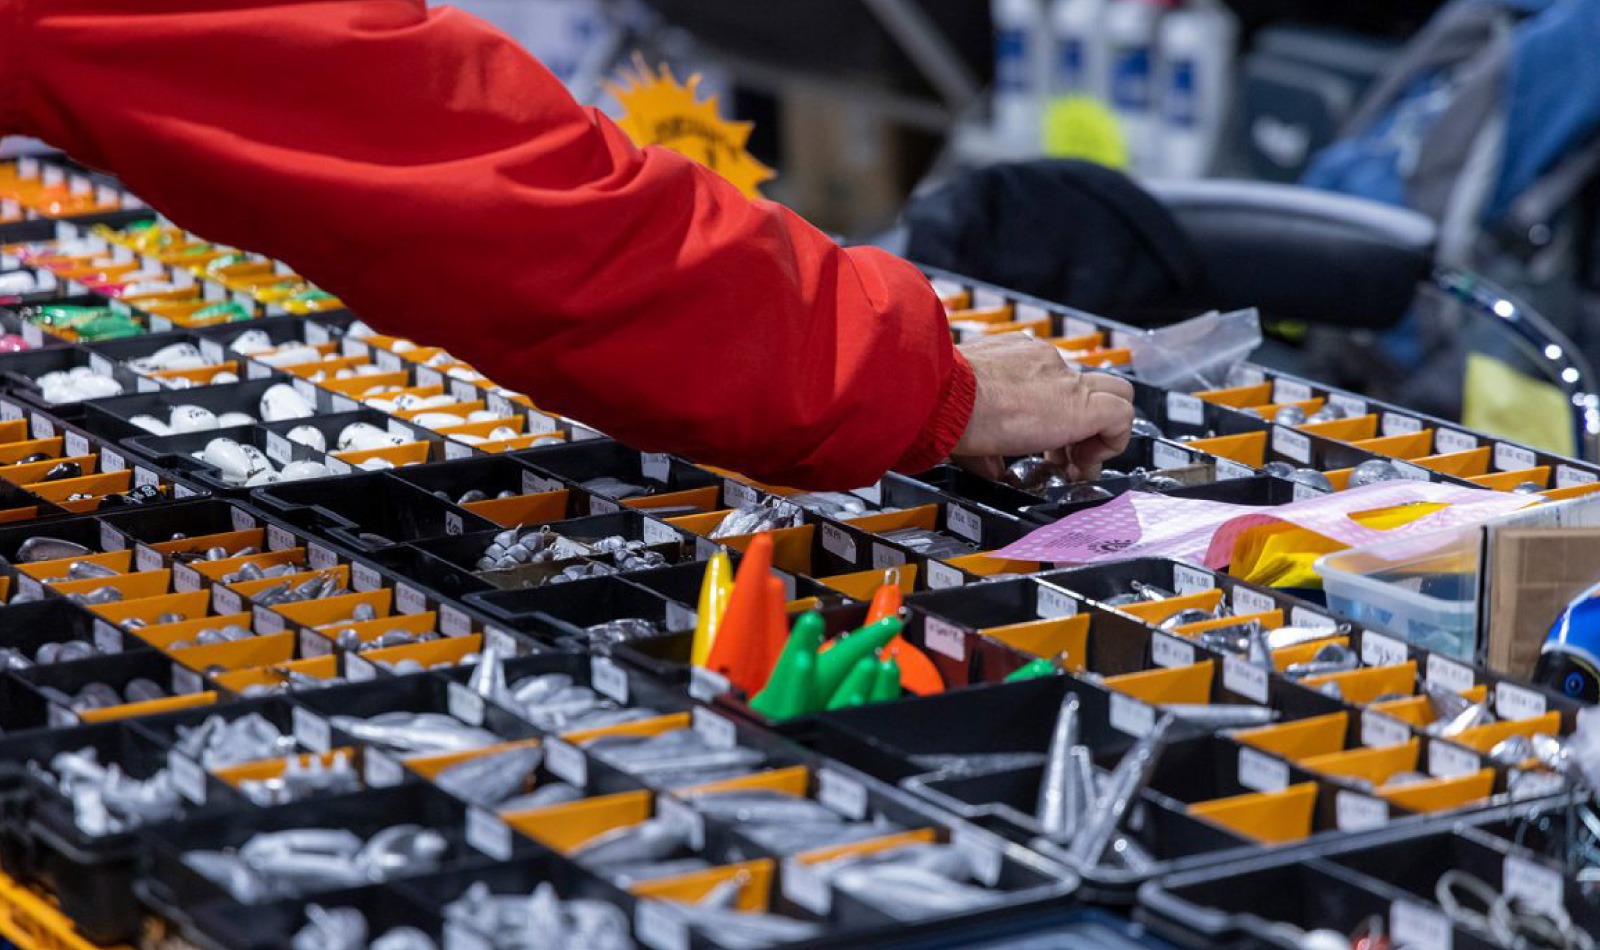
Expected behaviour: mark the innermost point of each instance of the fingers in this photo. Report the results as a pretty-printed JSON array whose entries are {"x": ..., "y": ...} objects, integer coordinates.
[
  {"x": 1110, "y": 385},
  {"x": 991, "y": 467}
]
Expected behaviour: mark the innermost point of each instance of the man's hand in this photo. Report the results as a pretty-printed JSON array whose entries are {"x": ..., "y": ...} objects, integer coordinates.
[{"x": 1029, "y": 401}]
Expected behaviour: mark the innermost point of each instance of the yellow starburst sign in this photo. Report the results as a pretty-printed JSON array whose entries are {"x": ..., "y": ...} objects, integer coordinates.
[{"x": 658, "y": 110}]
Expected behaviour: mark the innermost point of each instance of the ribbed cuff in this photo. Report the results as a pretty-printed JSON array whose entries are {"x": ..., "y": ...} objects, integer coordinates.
[{"x": 948, "y": 422}]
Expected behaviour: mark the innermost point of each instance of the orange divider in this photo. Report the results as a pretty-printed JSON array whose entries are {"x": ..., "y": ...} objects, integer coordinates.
[
  {"x": 1249, "y": 448},
  {"x": 987, "y": 565},
  {"x": 230, "y": 540},
  {"x": 754, "y": 896},
  {"x": 91, "y": 487},
  {"x": 1180, "y": 684},
  {"x": 1408, "y": 446},
  {"x": 1156, "y": 611},
  {"x": 1303, "y": 738},
  {"x": 1374, "y": 765},
  {"x": 791, "y": 547},
  {"x": 31, "y": 472},
  {"x": 1115, "y": 356},
  {"x": 28, "y": 513},
  {"x": 870, "y": 846},
  {"x": 149, "y": 707},
  {"x": 1460, "y": 464},
  {"x": 1270, "y": 620},
  {"x": 1505, "y": 481},
  {"x": 162, "y": 636},
  {"x": 1339, "y": 478},
  {"x": 781, "y": 491},
  {"x": 328, "y": 366},
  {"x": 135, "y": 586},
  {"x": 449, "y": 650},
  {"x": 1417, "y": 711},
  {"x": 1344, "y": 430},
  {"x": 1269, "y": 411},
  {"x": 321, "y": 667},
  {"x": 1362, "y": 686},
  {"x": 429, "y": 766},
  {"x": 526, "y": 510},
  {"x": 1304, "y": 652},
  {"x": 216, "y": 570},
  {"x": 1567, "y": 494},
  {"x": 264, "y": 769},
  {"x": 564, "y": 827},
  {"x": 119, "y": 561},
  {"x": 186, "y": 606},
  {"x": 1442, "y": 794},
  {"x": 497, "y": 446},
  {"x": 1074, "y": 344},
  {"x": 411, "y": 453},
  {"x": 793, "y": 780},
  {"x": 642, "y": 727},
  {"x": 1238, "y": 397},
  {"x": 1484, "y": 738},
  {"x": 334, "y": 610},
  {"x": 1267, "y": 817},
  {"x": 1000, "y": 314},
  {"x": 1049, "y": 638},
  {"x": 1037, "y": 328},
  {"x": 28, "y": 919},
  {"x": 483, "y": 428},
  {"x": 922, "y": 516},
  {"x": 238, "y": 654},
  {"x": 956, "y": 301},
  {"x": 703, "y": 498},
  {"x": 12, "y": 451},
  {"x": 357, "y": 386},
  {"x": 861, "y": 585}
]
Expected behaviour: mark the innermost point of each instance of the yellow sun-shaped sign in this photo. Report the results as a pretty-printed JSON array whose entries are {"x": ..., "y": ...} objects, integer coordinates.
[{"x": 658, "y": 110}]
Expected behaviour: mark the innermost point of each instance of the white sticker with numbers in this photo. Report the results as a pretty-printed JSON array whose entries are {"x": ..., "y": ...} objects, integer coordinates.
[
  {"x": 487, "y": 833},
  {"x": 226, "y": 600},
  {"x": 1164, "y": 455},
  {"x": 1448, "y": 674},
  {"x": 566, "y": 762},
  {"x": 657, "y": 532},
  {"x": 107, "y": 638},
  {"x": 147, "y": 558},
  {"x": 1247, "y": 601},
  {"x": 680, "y": 617},
  {"x": 705, "y": 685},
  {"x": 872, "y": 494},
  {"x": 842, "y": 793},
  {"x": 185, "y": 579},
  {"x": 1356, "y": 812},
  {"x": 311, "y": 730},
  {"x": 1244, "y": 678},
  {"x": 1262, "y": 772},
  {"x": 1192, "y": 580},
  {"x": 188, "y": 778},
  {"x": 718, "y": 732},
  {"x": 656, "y": 466},
  {"x": 10, "y": 411},
  {"x": 454, "y": 623},
  {"x": 1380, "y": 650},
  {"x": 1051, "y": 603},
  {"x": 738, "y": 494},
  {"x": 805, "y": 886},
  {"x": 609, "y": 679},
  {"x": 1352, "y": 406},
  {"x": 320, "y": 558},
  {"x": 535, "y": 484},
  {"x": 502, "y": 641},
  {"x": 1513, "y": 458},
  {"x": 1537, "y": 885},
  {"x": 1168, "y": 651},
  {"x": 409, "y": 600},
  {"x": 1129, "y": 715},
  {"x": 837, "y": 541},
  {"x": 364, "y": 577},
  {"x": 1292, "y": 444},
  {"x": 75, "y": 443},
  {"x": 1569, "y": 477},
  {"x": 1517, "y": 702},
  {"x": 1228, "y": 470},
  {"x": 1303, "y": 616},
  {"x": 1417, "y": 925},
  {"x": 267, "y": 621},
  {"x": 943, "y": 576},
  {"x": 945, "y": 638},
  {"x": 464, "y": 704},
  {"x": 185, "y": 681},
  {"x": 43, "y": 428},
  {"x": 1448, "y": 441},
  {"x": 111, "y": 539},
  {"x": 1448, "y": 761},
  {"x": 145, "y": 478},
  {"x": 1185, "y": 409},
  {"x": 279, "y": 539},
  {"x": 965, "y": 523},
  {"x": 692, "y": 822},
  {"x": 885, "y": 557},
  {"x": 1290, "y": 390},
  {"x": 314, "y": 644}
]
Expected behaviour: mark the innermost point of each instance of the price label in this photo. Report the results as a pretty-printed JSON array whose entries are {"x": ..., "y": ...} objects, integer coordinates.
[
  {"x": 226, "y": 600},
  {"x": 1229, "y": 470},
  {"x": 427, "y": 376},
  {"x": 1290, "y": 390},
  {"x": 27, "y": 168},
  {"x": 185, "y": 579},
  {"x": 311, "y": 730},
  {"x": 487, "y": 833},
  {"x": 680, "y": 617},
  {"x": 872, "y": 494},
  {"x": 609, "y": 679},
  {"x": 1051, "y": 603},
  {"x": 463, "y": 390},
  {"x": 1243, "y": 678},
  {"x": 455, "y": 451},
  {"x": 1292, "y": 444},
  {"x": 1357, "y": 812},
  {"x": 409, "y": 600},
  {"x": 10, "y": 411},
  {"x": 188, "y": 778},
  {"x": 838, "y": 543},
  {"x": 1351, "y": 406},
  {"x": 718, "y": 732},
  {"x": 943, "y": 576},
  {"x": 1130, "y": 716},
  {"x": 806, "y": 887},
  {"x": 267, "y": 622},
  {"x": 603, "y": 506},
  {"x": 1512, "y": 458},
  {"x": 1303, "y": 616},
  {"x": 1168, "y": 651},
  {"x": 379, "y": 769},
  {"x": 943, "y": 637},
  {"x": 321, "y": 558},
  {"x": 964, "y": 523},
  {"x": 1166, "y": 456},
  {"x": 146, "y": 558},
  {"x": 1074, "y": 327},
  {"x": 1536, "y": 885},
  {"x": 43, "y": 427},
  {"x": 658, "y": 926},
  {"x": 145, "y": 478},
  {"x": 566, "y": 762},
  {"x": 1517, "y": 702},
  {"x": 705, "y": 685},
  {"x": 738, "y": 494},
  {"x": 1190, "y": 580},
  {"x": 78, "y": 186},
  {"x": 534, "y": 484},
  {"x": 685, "y": 817},
  {"x": 1262, "y": 772},
  {"x": 657, "y": 532},
  {"x": 279, "y": 449},
  {"x": 1185, "y": 409},
  {"x": 32, "y": 335},
  {"x": 1448, "y": 761},
  {"x": 464, "y": 704},
  {"x": 387, "y": 361},
  {"x": 1451, "y": 440},
  {"x": 1412, "y": 473},
  {"x": 1380, "y": 650},
  {"x": 453, "y": 622},
  {"x": 279, "y": 539},
  {"x": 1247, "y": 601},
  {"x": 100, "y": 365},
  {"x": 1448, "y": 674},
  {"x": 1569, "y": 477},
  {"x": 842, "y": 793},
  {"x": 313, "y": 644},
  {"x": 107, "y": 638},
  {"x": 1414, "y": 925},
  {"x": 885, "y": 557},
  {"x": 982, "y": 852},
  {"x": 111, "y": 539},
  {"x": 255, "y": 370},
  {"x": 30, "y": 587},
  {"x": 1396, "y": 424},
  {"x": 541, "y": 424},
  {"x": 656, "y": 466},
  {"x": 358, "y": 669}
]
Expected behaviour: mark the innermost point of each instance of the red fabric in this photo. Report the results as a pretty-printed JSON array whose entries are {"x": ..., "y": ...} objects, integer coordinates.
[{"x": 436, "y": 177}]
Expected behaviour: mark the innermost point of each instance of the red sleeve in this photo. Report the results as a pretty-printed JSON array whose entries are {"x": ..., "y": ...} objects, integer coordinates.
[{"x": 427, "y": 170}]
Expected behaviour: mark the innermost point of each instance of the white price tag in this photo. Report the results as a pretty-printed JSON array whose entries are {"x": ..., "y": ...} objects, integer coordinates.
[
  {"x": 943, "y": 576},
  {"x": 387, "y": 361},
  {"x": 1130, "y": 716},
  {"x": 1192, "y": 580},
  {"x": 738, "y": 494},
  {"x": 1447, "y": 441},
  {"x": 1244, "y": 678},
  {"x": 1448, "y": 761},
  {"x": 185, "y": 579},
  {"x": 964, "y": 523},
  {"x": 10, "y": 411},
  {"x": 107, "y": 638},
  {"x": 566, "y": 762},
  {"x": 279, "y": 449},
  {"x": 311, "y": 730},
  {"x": 685, "y": 817},
  {"x": 75, "y": 443},
  {"x": 1412, "y": 473},
  {"x": 680, "y": 617},
  {"x": 1166, "y": 456},
  {"x": 1536, "y": 885},
  {"x": 364, "y": 577},
  {"x": 659, "y": 532},
  {"x": 1290, "y": 390},
  {"x": 1517, "y": 702},
  {"x": 463, "y": 390},
  {"x": 603, "y": 506},
  {"x": 145, "y": 478},
  {"x": 719, "y": 733},
  {"x": 1228, "y": 470},
  {"x": 885, "y": 557},
  {"x": 111, "y": 539},
  {"x": 609, "y": 679},
  {"x": 1396, "y": 424},
  {"x": 1449, "y": 674},
  {"x": 43, "y": 428},
  {"x": 533, "y": 484},
  {"x": 1513, "y": 458},
  {"x": 409, "y": 600},
  {"x": 1168, "y": 651},
  {"x": 658, "y": 926},
  {"x": 1185, "y": 409},
  {"x": 188, "y": 778},
  {"x": 1051, "y": 603},
  {"x": 1247, "y": 601},
  {"x": 944, "y": 637},
  {"x": 806, "y": 887},
  {"x": 836, "y": 541},
  {"x": 1262, "y": 772},
  {"x": 185, "y": 681},
  {"x": 359, "y": 669},
  {"x": 1356, "y": 812},
  {"x": 705, "y": 685},
  {"x": 321, "y": 558},
  {"x": 1302, "y": 616},
  {"x": 314, "y": 644},
  {"x": 279, "y": 539},
  {"x": 503, "y": 642},
  {"x": 33, "y": 335},
  {"x": 256, "y": 370},
  {"x": 1292, "y": 444},
  {"x": 655, "y": 466},
  {"x": 541, "y": 424},
  {"x": 380, "y": 769},
  {"x": 1380, "y": 650},
  {"x": 1416, "y": 925},
  {"x": 1569, "y": 477},
  {"x": 842, "y": 793},
  {"x": 487, "y": 833},
  {"x": 146, "y": 558},
  {"x": 101, "y": 364},
  {"x": 266, "y": 621},
  {"x": 454, "y": 623},
  {"x": 455, "y": 451},
  {"x": 226, "y": 600},
  {"x": 1352, "y": 407},
  {"x": 464, "y": 704},
  {"x": 981, "y": 851}
]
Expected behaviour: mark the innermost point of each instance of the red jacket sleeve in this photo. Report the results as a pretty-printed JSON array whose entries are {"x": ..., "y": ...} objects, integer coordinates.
[{"x": 436, "y": 177}]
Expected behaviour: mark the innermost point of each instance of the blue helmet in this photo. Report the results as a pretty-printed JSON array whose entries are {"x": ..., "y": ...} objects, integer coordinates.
[{"x": 1569, "y": 661}]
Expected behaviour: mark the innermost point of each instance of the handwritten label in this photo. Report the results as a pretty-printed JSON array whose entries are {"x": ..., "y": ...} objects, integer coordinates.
[
  {"x": 842, "y": 793},
  {"x": 1351, "y": 406},
  {"x": 1129, "y": 715},
  {"x": 964, "y": 523},
  {"x": 1168, "y": 651},
  {"x": 267, "y": 621},
  {"x": 1244, "y": 678},
  {"x": 566, "y": 762},
  {"x": 1449, "y": 674},
  {"x": 1292, "y": 444},
  {"x": 946, "y": 638},
  {"x": 454, "y": 623},
  {"x": 609, "y": 679},
  {"x": 278, "y": 538},
  {"x": 1517, "y": 702},
  {"x": 43, "y": 427},
  {"x": 1302, "y": 616},
  {"x": 320, "y": 558},
  {"x": 364, "y": 577},
  {"x": 487, "y": 833},
  {"x": 656, "y": 532},
  {"x": 464, "y": 704},
  {"x": 1185, "y": 409},
  {"x": 1051, "y": 603},
  {"x": 311, "y": 730},
  {"x": 1380, "y": 650},
  {"x": 1261, "y": 771},
  {"x": 1357, "y": 812},
  {"x": 75, "y": 443},
  {"x": 1380, "y": 731},
  {"x": 226, "y": 600},
  {"x": 603, "y": 506},
  {"x": 943, "y": 576},
  {"x": 409, "y": 600},
  {"x": 836, "y": 541},
  {"x": 885, "y": 557},
  {"x": 314, "y": 644}
]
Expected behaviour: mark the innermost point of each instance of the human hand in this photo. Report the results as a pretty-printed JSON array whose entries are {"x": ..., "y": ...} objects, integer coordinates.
[{"x": 1029, "y": 401}]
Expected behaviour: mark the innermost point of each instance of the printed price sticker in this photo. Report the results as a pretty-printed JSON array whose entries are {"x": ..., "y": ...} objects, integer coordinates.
[
  {"x": 464, "y": 704},
  {"x": 1512, "y": 458},
  {"x": 1228, "y": 470},
  {"x": 1396, "y": 424},
  {"x": 1168, "y": 651},
  {"x": 1380, "y": 650},
  {"x": 502, "y": 641},
  {"x": 566, "y": 762},
  {"x": 1517, "y": 702},
  {"x": 719, "y": 733},
  {"x": 806, "y": 887},
  {"x": 872, "y": 494},
  {"x": 145, "y": 478},
  {"x": 656, "y": 466},
  {"x": 1244, "y": 678},
  {"x": 226, "y": 600},
  {"x": 1167, "y": 456},
  {"x": 1247, "y": 601},
  {"x": 487, "y": 833},
  {"x": 1535, "y": 884},
  {"x": 603, "y": 506},
  {"x": 1449, "y": 674},
  {"x": 1262, "y": 772},
  {"x": 185, "y": 579},
  {"x": 358, "y": 669},
  {"x": 111, "y": 539},
  {"x": 1414, "y": 925},
  {"x": 1292, "y": 444},
  {"x": 321, "y": 558},
  {"x": 107, "y": 638},
  {"x": 278, "y": 538},
  {"x": 680, "y": 617},
  {"x": 705, "y": 685},
  {"x": 409, "y": 600},
  {"x": 1303, "y": 616},
  {"x": 1357, "y": 812},
  {"x": 609, "y": 679},
  {"x": 43, "y": 428},
  {"x": 266, "y": 621},
  {"x": 1191, "y": 580},
  {"x": 1569, "y": 477},
  {"x": 739, "y": 495},
  {"x": 146, "y": 558},
  {"x": 1185, "y": 409},
  {"x": 685, "y": 817},
  {"x": 943, "y": 576},
  {"x": 1052, "y": 603},
  {"x": 185, "y": 681},
  {"x": 188, "y": 778},
  {"x": 1290, "y": 390},
  {"x": 836, "y": 541},
  {"x": 1448, "y": 761},
  {"x": 1350, "y": 405},
  {"x": 454, "y": 623},
  {"x": 943, "y": 637},
  {"x": 842, "y": 793},
  {"x": 657, "y": 532},
  {"x": 314, "y": 644},
  {"x": 964, "y": 523},
  {"x": 885, "y": 557},
  {"x": 1130, "y": 716},
  {"x": 311, "y": 730}
]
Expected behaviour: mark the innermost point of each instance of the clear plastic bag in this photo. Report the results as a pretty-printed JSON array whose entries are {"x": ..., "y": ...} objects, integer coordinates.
[{"x": 1197, "y": 354}]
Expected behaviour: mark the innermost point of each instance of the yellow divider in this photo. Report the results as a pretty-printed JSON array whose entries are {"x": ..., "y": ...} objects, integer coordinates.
[
  {"x": 525, "y": 510},
  {"x": 136, "y": 586},
  {"x": 1505, "y": 481},
  {"x": 1373, "y": 765},
  {"x": 1180, "y": 684},
  {"x": 1247, "y": 449},
  {"x": 1417, "y": 711},
  {"x": 1304, "y": 652},
  {"x": 1270, "y": 620},
  {"x": 1157, "y": 611},
  {"x": 162, "y": 636},
  {"x": 1344, "y": 430},
  {"x": 754, "y": 896},
  {"x": 1484, "y": 738},
  {"x": 336, "y": 610},
  {"x": 1442, "y": 794},
  {"x": 119, "y": 561},
  {"x": 922, "y": 516},
  {"x": 1460, "y": 464},
  {"x": 871, "y": 846},
  {"x": 193, "y": 604},
  {"x": 264, "y": 769},
  {"x": 231, "y": 540},
  {"x": 216, "y": 570},
  {"x": 793, "y": 780},
  {"x": 321, "y": 667},
  {"x": 702, "y": 498},
  {"x": 429, "y": 654},
  {"x": 1408, "y": 446},
  {"x": 149, "y": 707},
  {"x": 861, "y": 585},
  {"x": 987, "y": 565},
  {"x": 1267, "y": 817},
  {"x": 429, "y": 766},
  {"x": 1368, "y": 683},
  {"x": 1238, "y": 397},
  {"x": 239, "y": 654},
  {"x": 1048, "y": 638},
  {"x": 642, "y": 727},
  {"x": 1317, "y": 736},
  {"x": 567, "y": 826},
  {"x": 369, "y": 630}
]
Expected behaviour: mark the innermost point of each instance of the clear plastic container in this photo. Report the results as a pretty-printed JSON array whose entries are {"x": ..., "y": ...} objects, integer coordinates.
[{"x": 1422, "y": 589}]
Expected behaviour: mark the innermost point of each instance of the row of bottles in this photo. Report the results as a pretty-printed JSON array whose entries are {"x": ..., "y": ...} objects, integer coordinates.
[{"x": 1164, "y": 69}]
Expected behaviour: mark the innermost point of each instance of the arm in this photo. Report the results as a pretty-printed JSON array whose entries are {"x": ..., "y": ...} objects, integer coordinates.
[{"x": 438, "y": 179}]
